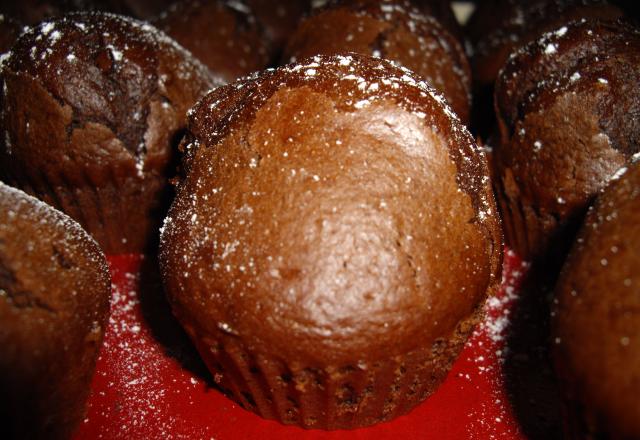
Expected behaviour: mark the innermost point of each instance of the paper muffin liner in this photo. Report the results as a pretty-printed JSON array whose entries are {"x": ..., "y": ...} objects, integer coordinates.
[
  {"x": 332, "y": 396},
  {"x": 514, "y": 223},
  {"x": 543, "y": 238}
]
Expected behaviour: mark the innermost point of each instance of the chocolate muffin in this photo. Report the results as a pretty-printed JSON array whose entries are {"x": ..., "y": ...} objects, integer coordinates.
[
  {"x": 597, "y": 321},
  {"x": 567, "y": 108},
  {"x": 394, "y": 30},
  {"x": 224, "y": 35},
  {"x": 439, "y": 9},
  {"x": 92, "y": 105},
  {"x": 500, "y": 27},
  {"x": 333, "y": 240},
  {"x": 54, "y": 300}
]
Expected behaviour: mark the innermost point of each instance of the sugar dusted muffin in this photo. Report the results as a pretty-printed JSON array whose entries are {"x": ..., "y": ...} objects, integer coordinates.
[
  {"x": 501, "y": 27},
  {"x": 54, "y": 299},
  {"x": 92, "y": 105},
  {"x": 498, "y": 28},
  {"x": 394, "y": 30},
  {"x": 597, "y": 320},
  {"x": 332, "y": 242},
  {"x": 224, "y": 35},
  {"x": 566, "y": 106}
]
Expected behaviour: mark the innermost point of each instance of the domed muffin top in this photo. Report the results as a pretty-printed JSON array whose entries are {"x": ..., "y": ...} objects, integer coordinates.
[
  {"x": 224, "y": 35},
  {"x": 601, "y": 57},
  {"x": 107, "y": 69},
  {"x": 393, "y": 30},
  {"x": 48, "y": 263},
  {"x": 332, "y": 210},
  {"x": 499, "y": 27}
]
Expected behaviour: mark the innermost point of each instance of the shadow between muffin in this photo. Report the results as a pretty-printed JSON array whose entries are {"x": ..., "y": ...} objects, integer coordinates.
[
  {"x": 530, "y": 379},
  {"x": 164, "y": 327}
]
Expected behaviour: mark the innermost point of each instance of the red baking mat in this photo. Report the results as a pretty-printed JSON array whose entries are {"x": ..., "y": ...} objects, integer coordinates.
[{"x": 150, "y": 383}]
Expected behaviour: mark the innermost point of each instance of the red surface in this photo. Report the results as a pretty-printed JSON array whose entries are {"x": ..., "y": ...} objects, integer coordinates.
[{"x": 149, "y": 384}]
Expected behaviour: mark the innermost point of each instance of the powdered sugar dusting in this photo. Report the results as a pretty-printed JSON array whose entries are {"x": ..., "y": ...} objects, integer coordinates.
[
  {"x": 131, "y": 372},
  {"x": 619, "y": 173},
  {"x": 49, "y": 37},
  {"x": 493, "y": 416},
  {"x": 497, "y": 307},
  {"x": 359, "y": 83},
  {"x": 135, "y": 361},
  {"x": 530, "y": 65},
  {"x": 433, "y": 53},
  {"x": 23, "y": 207},
  {"x": 81, "y": 39}
]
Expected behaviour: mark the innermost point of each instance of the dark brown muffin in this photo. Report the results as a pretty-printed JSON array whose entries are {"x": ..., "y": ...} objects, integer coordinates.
[
  {"x": 224, "y": 35},
  {"x": 332, "y": 242},
  {"x": 567, "y": 108},
  {"x": 92, "y": 105},
  {"x": 500, "y": 27},
  {"x": 54, "y": 299},
  {"x": 439, "y": 9},
  {"x": 394, "y": 30},
  {"x": 597, "y": 321}
]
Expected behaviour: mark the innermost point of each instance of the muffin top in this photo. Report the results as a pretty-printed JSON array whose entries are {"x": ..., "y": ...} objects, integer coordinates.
[
  {"x": 576, "y": 57},
  {"x": 112, "y": 87},
  {"x": 224, "y": 35},
  {"x": 597, "y": 321},
  {"x": 394, "y": 30},
  {"x": 54, "y": 279},
  {"x": 499, "y": 27},
  {"x": 332, "y": 210}
]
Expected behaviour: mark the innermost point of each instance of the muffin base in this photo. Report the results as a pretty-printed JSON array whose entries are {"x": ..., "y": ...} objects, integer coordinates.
[{"x": 334, "y": 396}]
